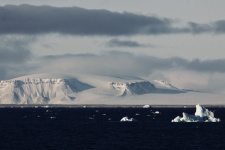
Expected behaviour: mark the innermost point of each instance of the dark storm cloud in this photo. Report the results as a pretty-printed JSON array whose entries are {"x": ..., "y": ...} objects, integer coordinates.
[
  {"x": 196, "y": 28},
  {"x": 220, "y": 26},
  {"x": 217, "y": 65},
  {"x": 14, "y": 54},
  {"x": 213, "y": 27},
  {"x": 125, "y": 43},
  {"x": 3, "y": 72},
  {"x": 29, "y": 19},
  {"x": 14, "y": 51}
]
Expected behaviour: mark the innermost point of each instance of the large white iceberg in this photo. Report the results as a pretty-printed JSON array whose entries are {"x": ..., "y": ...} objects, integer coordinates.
[
  {"x": 126, "y": 119},
  {"x": 201, "y": 115}
]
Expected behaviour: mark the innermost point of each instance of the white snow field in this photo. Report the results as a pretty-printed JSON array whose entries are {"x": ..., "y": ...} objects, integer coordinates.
[
  {"x": 201, "y": 115},
  {"x": 94, "y": 89}
]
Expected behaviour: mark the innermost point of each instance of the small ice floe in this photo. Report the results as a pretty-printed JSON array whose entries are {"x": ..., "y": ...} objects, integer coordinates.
[
  {"x": 126, "y": 119},
  {"x": 103, "y": 114},
  {"x": 38, "y": 116},
  {"x": 91, "y": 118},
  {"x": 137, "y": 114},
  {"x": 201, "y": 115},
  {"x": 52, "y": 117},
  {"x": 84, "y": 106},
  {"x": 157, "y": 112},
  {"x": 110, "y": 119},
  {"x": 35, "y": 106},
  {"x": 146, "y": 106}
]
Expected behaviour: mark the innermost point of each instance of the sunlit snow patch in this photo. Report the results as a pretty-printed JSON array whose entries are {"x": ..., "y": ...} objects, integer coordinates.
[
  {"x": 126, "y": 119},
  {"x": 201, "y": 115}
]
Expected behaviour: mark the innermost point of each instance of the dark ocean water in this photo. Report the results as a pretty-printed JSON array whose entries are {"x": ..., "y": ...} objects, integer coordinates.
[{"x": 100, "y": 128}]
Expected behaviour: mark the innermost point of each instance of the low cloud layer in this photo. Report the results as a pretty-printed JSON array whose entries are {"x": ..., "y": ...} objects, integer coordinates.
[
  {"x": 196, "y": 74},
  {"x": 14, "y": 54},
  {"x": 125, "y": 43},
  {"x": 28, "y": 19},
  {"x": 127, "y": 63}
]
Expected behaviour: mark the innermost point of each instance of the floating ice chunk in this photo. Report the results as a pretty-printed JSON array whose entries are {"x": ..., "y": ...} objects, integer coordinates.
[
  {"x": 146, "y": 106},
  {"x": 201, "y": 115},
  {"x": 91, "y": 118},
  {"x": 157, "y": 112},
  {"x": 126, "y": 119}
]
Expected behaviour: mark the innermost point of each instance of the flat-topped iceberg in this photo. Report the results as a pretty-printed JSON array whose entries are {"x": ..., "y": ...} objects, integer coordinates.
[
  {"x": 126, "y": 119},
  {"x": 146, "y": 106},
  {"x": 201, "y": 115}
]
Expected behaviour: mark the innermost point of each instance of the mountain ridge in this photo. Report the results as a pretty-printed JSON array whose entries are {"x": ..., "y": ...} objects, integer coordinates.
[{"x": 71, "y": 89}]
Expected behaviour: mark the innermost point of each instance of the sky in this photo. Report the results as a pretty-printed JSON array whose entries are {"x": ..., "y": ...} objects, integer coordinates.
[{"x": 181, "y": 41}]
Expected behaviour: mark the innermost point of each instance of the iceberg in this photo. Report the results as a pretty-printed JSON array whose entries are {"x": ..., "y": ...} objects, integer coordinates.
[
  {"x": 126, "y": 119},
  {"x": 201, "y": 115},
  {"x": 157, "y": 112},
  {"x": 146, "y": 106}
]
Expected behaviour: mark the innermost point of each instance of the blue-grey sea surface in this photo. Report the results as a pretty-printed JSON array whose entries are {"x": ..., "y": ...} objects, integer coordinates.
[{"x": 100, "y": 128}]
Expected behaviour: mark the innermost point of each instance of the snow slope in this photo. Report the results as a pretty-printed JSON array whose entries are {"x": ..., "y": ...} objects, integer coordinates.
[{"x": 91, "y": 89}]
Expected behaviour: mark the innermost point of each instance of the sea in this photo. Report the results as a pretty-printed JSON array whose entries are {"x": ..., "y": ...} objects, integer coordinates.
[{"x": 85, "y": 128}]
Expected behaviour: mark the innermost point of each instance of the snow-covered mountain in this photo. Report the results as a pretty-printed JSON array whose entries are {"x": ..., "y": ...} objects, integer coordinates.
[
  {"x": 131, "y": 88},
  {"x": 75, "y": 89},
  {"x": 40, "y": 91}
]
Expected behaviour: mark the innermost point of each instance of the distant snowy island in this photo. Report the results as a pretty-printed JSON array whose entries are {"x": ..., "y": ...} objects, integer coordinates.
[{"x": 94, "y": 89}]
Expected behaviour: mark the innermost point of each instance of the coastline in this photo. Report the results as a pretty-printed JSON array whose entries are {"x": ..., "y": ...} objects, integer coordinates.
[{"x": 101, "y": 106}]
